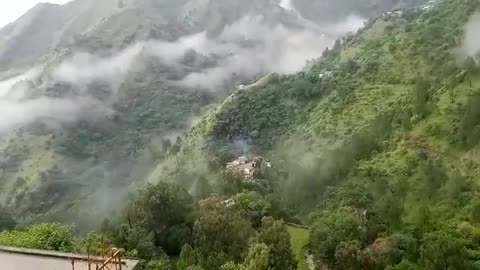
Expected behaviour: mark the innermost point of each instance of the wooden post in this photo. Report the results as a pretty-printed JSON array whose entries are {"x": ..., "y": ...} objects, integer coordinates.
[
  {"x": 73, "y": 264},
  {"x": 120, "y": 261},
  {"x": 103, "y": 252},
  {"x": 88, "y": 258}
]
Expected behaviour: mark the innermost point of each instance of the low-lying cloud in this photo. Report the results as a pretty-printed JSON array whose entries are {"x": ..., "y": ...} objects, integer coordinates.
[
  {"x": 277, "y": 49},
  {"x": 18, "y": 110},
  {"x": 472, "y": 36},
  {"x": 246, "y": 48},
  {"x": 16, "y": 114}
]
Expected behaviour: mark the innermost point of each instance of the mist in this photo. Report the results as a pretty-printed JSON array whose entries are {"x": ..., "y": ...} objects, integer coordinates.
[
  {"x": 246, "y": 48},
  {"x": 278, "y": 49},
  {"x": 16, "y": 110},
  {"x": 472, "y": 36}
]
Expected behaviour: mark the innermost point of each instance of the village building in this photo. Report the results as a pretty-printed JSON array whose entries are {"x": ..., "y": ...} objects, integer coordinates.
[{"x": 247, "y": 166}]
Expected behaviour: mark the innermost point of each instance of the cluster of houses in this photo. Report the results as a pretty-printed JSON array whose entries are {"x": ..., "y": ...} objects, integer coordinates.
[
  {"x": 429, "y": 5},
  {"x": 247, "y": 166},
  {"x": 399, "y": 13},
  {"x": 393, "y": 14}
]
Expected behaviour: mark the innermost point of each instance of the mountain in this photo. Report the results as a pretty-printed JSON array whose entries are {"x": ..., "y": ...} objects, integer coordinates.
[
  {"x": 114, "y": 82},
  {"x": 374, "y": 144},
  {"x": 330, "y": 10},
  {"x": 100, "y": 90}
]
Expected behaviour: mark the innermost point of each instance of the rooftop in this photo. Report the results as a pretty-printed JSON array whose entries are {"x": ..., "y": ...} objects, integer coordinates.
[{"x": 27, "y": 259}]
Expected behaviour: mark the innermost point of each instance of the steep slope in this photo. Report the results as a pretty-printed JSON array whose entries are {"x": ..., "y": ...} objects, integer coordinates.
[
  {"x": 117, "y": 83},
  {"x": 373, "y": 146},
  {"x": 49, "y": 25},
  {"x": 381, "y": 131},
  {"x": 113, "y": 85},
  {"x": 330, "y": 10}
]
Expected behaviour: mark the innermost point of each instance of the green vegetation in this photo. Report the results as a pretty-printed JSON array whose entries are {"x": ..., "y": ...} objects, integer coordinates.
[
  {"x": 299, "y": 238},
  {"x": 48, "y": 236}
]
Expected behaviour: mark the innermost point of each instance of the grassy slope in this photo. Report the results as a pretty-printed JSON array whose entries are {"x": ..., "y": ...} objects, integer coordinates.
[{"x": 299, "y": 240}]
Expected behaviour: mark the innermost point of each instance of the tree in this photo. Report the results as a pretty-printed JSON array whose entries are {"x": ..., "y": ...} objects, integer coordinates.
[
  {"x": 221, "y": 233},
  {"x": 158, "y": 207},
  {"x": 274, "y": 234},
  {"x": 455, "y": 185},
  {"x": 187, "y": 258},
  {"x": 159, "y": 264},
  {"x": 6, "y": 220},
  {"x": 351, "y": 66},
  {"x": 201, "y": 188},
  {"x": 52, "y": 236},
  {"x": 332, "y": 228},
  {"x": 451, "y": 84},
  {"x": 403, "y": 265},
  {"x": 94, "y": 244},
  {"x": 48, "y": 236},
  {"x": 390, "y": 208},
  {"x": 404, "y": 247},
  {"x": 432, "y": 175},
  {"x": 470, "y": 65},
  {"x": 348, "y": 255},
  {"x": 475, "y": 210},
  {"x": 174, "y": 238},
  {"x": 254, "y": 206},
  {"x": 257, "y": 259},
  {"x": 303, "y": 88},
  {"x": 441, "y": 250},
  {"x": 137, "y": 241},
  {"x": 469, "y": 132},
  {"x": 421, "y": 96}
]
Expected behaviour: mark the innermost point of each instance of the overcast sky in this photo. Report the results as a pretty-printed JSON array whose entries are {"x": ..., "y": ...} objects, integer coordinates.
[{"x": 10, "y": 10}]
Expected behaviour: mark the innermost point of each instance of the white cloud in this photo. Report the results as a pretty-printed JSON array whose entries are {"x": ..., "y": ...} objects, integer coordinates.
[
  {"x": 16, "y": 110},
  {"x": 266, "y": 48},
  {"x": 472, "y": 36}
]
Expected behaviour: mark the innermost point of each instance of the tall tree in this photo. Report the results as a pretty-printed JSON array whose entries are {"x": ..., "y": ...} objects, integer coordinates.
[
  {"x": 274, "y": 234},
  {"x": 257, "y": 259},
  {"x": 6, "y": 220},
  {"x": 332, "y": 228},
  {"x": 441, "y": 250},
  {"x": 221, "y": 233},
  {"x": 158, "y": 207}
]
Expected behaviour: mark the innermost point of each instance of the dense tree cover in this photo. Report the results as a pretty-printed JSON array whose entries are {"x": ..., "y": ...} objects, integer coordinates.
[
  {"x": 274, "y": 234},
  {"x": 231, "y": 231},
  {"x": 389, "y": 189},
  {"x": 333, "y": 10},
  {"x": 48, "y": 236},
  {"x": 6, "y": 220},
  {"x": 162, "y": 222}
]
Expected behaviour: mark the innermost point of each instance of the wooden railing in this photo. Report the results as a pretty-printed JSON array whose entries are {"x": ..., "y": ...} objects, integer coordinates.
[{"x": 114, "y": 262}]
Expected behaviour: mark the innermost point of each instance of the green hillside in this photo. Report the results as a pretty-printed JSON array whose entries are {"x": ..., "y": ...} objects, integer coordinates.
[{"x": 385, "y": 138}]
